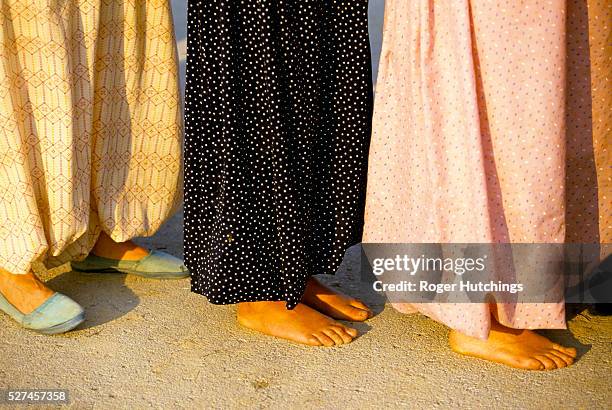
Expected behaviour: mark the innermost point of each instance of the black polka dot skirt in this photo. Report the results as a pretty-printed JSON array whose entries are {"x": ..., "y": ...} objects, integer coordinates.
[{"x": 278, "y": 119}]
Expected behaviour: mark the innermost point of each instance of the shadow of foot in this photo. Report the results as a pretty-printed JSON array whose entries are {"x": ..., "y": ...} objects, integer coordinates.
[
  {"x": 362, "y": 327},
  {"x": 565, "y": 338},
  {"x": 105, "y": 297}
]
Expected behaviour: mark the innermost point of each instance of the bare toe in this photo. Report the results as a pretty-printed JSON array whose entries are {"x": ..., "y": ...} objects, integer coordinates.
[
  {"x": 352, "y": 332},
  {"x": 360, "y": 305},
  {"x": 313, "y": 341},
  {"x": 559, "y": 363},
  {"x": 331, "y": 333},
  {"x": 324, "y": 339},
  {"x": 566, "y": 358},
  {"x": 548, "y": 363},
  {"x": 333, "y": 303},
  {"x": 358, "y": 314},
  {"x": 346, "y": 338},
  {"x": 570, "y": 351},
  {"x": 529, "y": 363}
]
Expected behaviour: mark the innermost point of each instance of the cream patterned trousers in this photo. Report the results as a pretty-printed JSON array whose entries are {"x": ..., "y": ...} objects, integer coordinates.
[{"x": 90, "y": 126}]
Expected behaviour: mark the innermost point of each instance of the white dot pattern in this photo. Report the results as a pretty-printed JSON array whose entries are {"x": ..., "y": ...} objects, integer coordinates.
[{"x": 278, "y": 110}]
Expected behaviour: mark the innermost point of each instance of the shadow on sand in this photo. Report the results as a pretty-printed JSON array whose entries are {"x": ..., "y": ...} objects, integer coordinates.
[{"x": 105, "y": 297}]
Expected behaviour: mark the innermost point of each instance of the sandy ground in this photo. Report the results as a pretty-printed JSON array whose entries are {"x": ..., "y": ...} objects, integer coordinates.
[{"x": 154, "y": 344}]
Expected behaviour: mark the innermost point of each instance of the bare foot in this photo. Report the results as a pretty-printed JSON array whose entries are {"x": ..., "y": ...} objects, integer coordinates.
[
  {"x": 523, "y": 349},
  {"x": 302, "y": 324},
  {"x": 25, "y": 292},
  {"x": 333, "y": 303},
  {"x": 127, "y": 251}
]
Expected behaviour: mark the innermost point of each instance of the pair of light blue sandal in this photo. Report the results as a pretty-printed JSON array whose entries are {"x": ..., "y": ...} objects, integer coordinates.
[{"x": 59, "y": 313}]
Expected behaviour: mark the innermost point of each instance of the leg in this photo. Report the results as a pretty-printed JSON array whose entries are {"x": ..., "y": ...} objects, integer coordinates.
[
  {"x": 127, "y": 257},
  {"x": 108, "y": 248},
  {"x": 523, "y": 349},
  {"x": 25, "y": 292},
  {"x": 333, "y": 303},
  {"x": 301, "y": 324},
  {"x": 293, "y": 203}
]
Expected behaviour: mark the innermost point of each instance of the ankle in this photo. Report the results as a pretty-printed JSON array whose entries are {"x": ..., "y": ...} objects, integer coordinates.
[
  {"x": 246, "y": 314},
  {"x": 249, "y": 308},
  {"x": 10, "y": 280},
  {"x": 106, "y": 247}
]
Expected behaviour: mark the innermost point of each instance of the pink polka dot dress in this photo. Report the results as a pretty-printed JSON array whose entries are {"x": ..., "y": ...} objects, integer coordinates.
[{"x": 469, "y": 138}]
